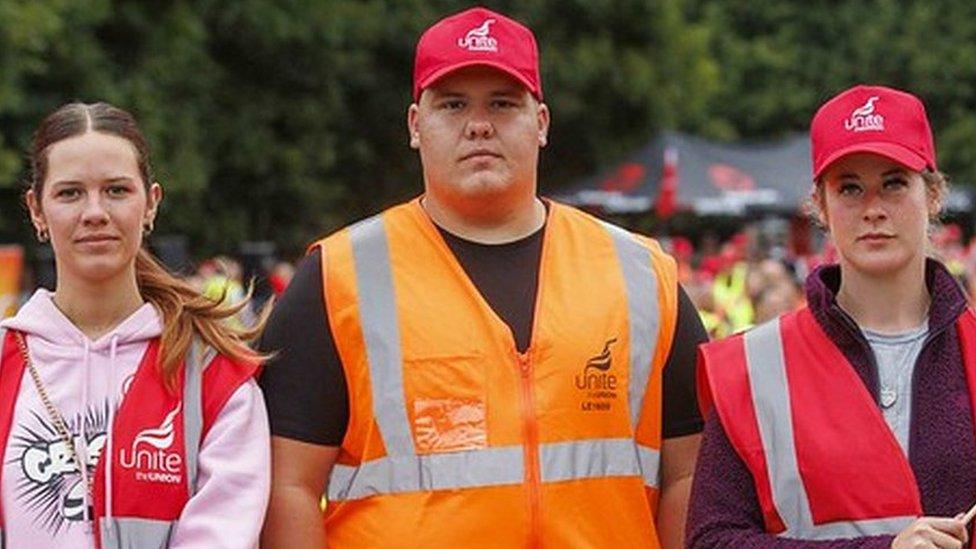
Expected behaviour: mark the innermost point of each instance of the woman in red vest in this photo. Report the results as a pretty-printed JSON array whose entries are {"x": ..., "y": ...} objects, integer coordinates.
[
  {"x": 129, "y": 416},
  {"x": 849, "y": 423}
]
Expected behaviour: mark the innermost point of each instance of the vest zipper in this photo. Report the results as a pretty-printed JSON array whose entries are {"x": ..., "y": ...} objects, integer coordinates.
[{"x": 530, "y": 432}]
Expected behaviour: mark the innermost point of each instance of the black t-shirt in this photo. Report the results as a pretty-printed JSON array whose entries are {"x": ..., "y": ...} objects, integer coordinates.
[{"x": 305, "y": 386}]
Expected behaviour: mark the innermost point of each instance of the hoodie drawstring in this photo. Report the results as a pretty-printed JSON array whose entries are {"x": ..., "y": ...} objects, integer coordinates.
[
  {"x": 107, "y": 455},
  {"x": 83, "y": 450},
  {"x": 67, "y": 353}
]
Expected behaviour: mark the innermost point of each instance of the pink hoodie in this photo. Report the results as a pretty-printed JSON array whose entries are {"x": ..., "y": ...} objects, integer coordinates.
[{"x": 43, "y": 496}]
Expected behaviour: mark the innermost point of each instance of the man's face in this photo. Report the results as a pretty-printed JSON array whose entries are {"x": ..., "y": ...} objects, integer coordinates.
[{"x": 478, "y": 131}]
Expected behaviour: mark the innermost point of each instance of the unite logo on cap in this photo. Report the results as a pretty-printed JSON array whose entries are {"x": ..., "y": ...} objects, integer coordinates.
[
  {"x": 864, "y": 118},
  {"x": 478, "y": 39}
]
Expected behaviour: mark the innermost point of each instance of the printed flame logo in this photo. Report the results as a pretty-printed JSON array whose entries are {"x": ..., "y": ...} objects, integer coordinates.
[
  {"x": 602, "y": 361},
  {"x": 161, "y": 437},
  {"x": 865, "y": 109},
  {"x": 479, "y": 32}
]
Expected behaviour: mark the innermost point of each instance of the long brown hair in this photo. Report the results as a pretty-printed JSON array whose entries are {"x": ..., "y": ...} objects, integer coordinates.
[{"x": 184, "y": 310}]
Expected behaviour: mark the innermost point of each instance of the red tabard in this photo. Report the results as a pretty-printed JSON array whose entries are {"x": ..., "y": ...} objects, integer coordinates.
[
  {"x": 848, "y": 460},
  {"x": 149, "y": 465}
]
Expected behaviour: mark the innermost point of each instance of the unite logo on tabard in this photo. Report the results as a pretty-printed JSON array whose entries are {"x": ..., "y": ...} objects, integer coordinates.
[
  {"x": 479, "y": 39},
  {"x": 150, "y": 456},
  {"x": 864, "y": 118},
  {"x": 596, "y": 383}
]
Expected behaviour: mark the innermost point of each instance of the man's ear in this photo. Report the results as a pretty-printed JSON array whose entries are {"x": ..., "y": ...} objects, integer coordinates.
[
  {"x": 412, "y": 125},
  {"x": 543, "y": 120}
]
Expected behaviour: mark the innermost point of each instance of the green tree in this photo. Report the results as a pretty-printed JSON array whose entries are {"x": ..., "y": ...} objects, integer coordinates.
[
  {"x": 283, "y": 120},
  {"x": 780, "y": 60}
]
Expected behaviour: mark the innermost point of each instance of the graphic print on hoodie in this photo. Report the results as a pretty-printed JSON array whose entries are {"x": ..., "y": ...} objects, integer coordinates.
[
  {"x": 52, "y": 485},
  {"x": 43, "y": 490}
]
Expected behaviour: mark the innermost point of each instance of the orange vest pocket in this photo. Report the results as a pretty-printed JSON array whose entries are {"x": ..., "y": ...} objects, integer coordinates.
[
  {"x": 449, "y": 425},
  {"x": 446, "y": 399}
]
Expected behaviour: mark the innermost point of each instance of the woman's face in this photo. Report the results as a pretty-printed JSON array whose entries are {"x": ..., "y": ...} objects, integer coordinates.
[
  {"x": 877, "y": 212},
  {"x": 93, "y": 204}
]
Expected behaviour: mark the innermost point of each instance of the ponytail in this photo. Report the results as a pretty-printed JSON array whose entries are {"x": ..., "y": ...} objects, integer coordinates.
[{"x": 186, "y": 312}]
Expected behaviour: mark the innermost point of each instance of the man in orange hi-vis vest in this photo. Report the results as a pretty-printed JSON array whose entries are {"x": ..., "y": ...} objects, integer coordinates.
[{"x": 481, "y": 367}]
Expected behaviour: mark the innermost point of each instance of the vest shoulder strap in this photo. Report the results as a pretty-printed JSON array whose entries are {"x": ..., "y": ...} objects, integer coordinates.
[
  {"x": 197, "y": 359},
  {"x": 217, "y": 377},
  {"x": 718, "y": 361},
  {"x": 199, "y": 355},
  {"x": 723, "y": 385},
  {"x": 11, "y": 375},
  {"x": 966, "y": 330}
]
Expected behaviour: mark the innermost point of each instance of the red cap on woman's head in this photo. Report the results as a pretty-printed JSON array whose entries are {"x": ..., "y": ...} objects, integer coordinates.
[{"x": 872, "y": 119}]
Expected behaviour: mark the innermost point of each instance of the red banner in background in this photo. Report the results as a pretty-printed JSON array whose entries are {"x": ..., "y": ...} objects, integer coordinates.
[
  {"x": 11, "y": 268},
  {"x": 667, "y": 198}
]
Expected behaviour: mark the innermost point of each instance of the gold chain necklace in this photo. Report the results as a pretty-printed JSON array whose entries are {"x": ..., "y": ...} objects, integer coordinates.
[{"x": 52, "y": 411}]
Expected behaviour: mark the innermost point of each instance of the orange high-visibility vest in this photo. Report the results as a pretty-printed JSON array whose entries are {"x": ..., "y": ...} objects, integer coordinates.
[
  {"x": 824, "y": 462},
  {"x": 456, "y": 439}
]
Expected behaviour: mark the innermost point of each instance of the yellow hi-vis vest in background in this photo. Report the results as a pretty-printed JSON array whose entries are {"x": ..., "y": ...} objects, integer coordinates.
[
  {"x": 731, "y": 298},
  {"x": 455, "y": 438}
]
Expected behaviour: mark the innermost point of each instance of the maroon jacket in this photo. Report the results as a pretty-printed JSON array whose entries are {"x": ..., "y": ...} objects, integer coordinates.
[{"x": 724, "y": 509}]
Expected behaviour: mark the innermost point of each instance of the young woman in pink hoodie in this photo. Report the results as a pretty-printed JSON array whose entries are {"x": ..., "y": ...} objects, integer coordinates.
[{"x": 129, "y": 416}]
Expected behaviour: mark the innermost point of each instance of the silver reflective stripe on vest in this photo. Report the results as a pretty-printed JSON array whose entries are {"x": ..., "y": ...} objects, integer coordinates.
[
  {"x": 771, "y": 400},
  {"x": 560, "y": 461},
  {"x": 644, "y": 318},
  {"x": 642, "y": 313},
  {"x": 377, "y": 311},
  {"x": 402, "y": 471},
  {"x": 593, "y": 458},
  {"x": 198, "y": 357},
  {"x": 448, "y": 471},
  {"x": 650, "y": 464},
  {"x": 135, "y": 533}
]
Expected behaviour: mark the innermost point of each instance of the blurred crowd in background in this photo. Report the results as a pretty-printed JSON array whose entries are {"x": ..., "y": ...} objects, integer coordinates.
[
  {"x": 737, "y": 282},
  {"x": 221, "y": 278},
  {"x": 744, "y": 280}
]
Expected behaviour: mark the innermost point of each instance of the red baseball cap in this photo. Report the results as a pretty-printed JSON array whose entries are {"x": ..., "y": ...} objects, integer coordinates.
[
  {"x": 872, "y": 119},
  {"x": 477, "y": 36}
]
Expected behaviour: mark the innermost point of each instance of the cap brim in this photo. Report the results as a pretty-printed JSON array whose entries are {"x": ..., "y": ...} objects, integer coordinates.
[
  {"x": 892, "y": 151},
  {"x": 444, "y": 71}
]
